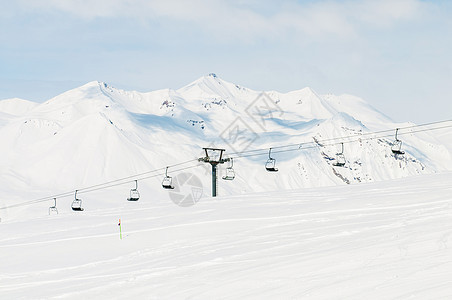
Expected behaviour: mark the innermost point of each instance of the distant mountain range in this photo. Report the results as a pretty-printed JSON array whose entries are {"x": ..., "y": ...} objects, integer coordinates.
[{"x": 97, "y": 133}]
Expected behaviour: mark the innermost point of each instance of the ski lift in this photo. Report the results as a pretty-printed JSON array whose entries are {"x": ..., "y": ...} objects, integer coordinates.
[
  {"x": 53, "y": 208},
  {"x": 167, "y": 182},
  {"x": 340, "y": 158},
  {"x": 77, "y": 203},
  {"x": 230, "y": 174},
  {"x": 397, "y": 145},
  {"x": 270, "y": 165},
  {"x": 134, "y": 194}
]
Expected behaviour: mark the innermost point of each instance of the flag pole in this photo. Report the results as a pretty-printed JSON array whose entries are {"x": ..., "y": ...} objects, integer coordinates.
[{"x": 120, "y": 232}]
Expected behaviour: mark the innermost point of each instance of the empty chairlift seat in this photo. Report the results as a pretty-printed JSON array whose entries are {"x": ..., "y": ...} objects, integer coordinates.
[
  {"x": 53, "y": 209},
  {"x": 270, "y": 165},
  {"x": 397, "y": 145},
  {"x": 77, "y": 203},
  {"x": 167, "y": 182},
  {"x": 340, "y": 158},
  {"x": 134, "y": 194},
  {"x": 230, "y": 174}
]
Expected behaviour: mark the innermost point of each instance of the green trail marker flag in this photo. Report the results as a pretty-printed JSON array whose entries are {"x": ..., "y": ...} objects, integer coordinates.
[{"x": 120, "y": 232}]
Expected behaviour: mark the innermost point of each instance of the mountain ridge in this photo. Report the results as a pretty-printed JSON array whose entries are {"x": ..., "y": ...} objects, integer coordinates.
[{"x": 96, "y": 133}]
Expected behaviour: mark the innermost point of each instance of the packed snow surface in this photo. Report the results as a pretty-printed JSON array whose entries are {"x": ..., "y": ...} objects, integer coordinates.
[{"x": 381, "y": 240}]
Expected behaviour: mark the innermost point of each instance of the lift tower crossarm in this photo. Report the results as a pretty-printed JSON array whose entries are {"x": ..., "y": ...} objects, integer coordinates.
[{"x": 213, "y": 161}]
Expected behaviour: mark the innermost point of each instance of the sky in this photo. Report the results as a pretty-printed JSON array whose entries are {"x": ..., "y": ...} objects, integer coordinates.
[{"x": 395, "y": 54}]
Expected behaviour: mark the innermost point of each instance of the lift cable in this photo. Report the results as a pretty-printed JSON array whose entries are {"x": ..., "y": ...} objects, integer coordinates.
[
  {"x": 312, "y": 145},
  {"x": 141, "y": 178},
  {"x": 300, "y": 146},
  {"x": 356, "y": 137},
  {"x": 104, "y": 185},
  {"x": 82, "y": 190}
]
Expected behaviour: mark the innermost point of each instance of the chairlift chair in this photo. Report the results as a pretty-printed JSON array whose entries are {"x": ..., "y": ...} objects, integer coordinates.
[
  {"x": 134, "y": 194},
  {"x": 270, "y": 165},
  {"x": 53, "y": 208},
  {"x": 230, "y": 174},
  {"x": 77, "y": 203},
  {"x": 397, "y": 145},
  {"x": 167, "y": 182},
  {"x": 340, "y": 158}
]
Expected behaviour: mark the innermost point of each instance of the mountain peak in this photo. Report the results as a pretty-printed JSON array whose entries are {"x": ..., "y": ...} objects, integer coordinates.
[{"x": 207, "y": 87}]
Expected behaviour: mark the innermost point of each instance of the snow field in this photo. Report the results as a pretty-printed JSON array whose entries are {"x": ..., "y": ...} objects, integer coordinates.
[{"x": 382, "y": 240}]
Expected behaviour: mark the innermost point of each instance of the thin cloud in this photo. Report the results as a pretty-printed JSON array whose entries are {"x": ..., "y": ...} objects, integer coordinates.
[
  {"x": 386, "y": 13},
  {"x": 243, "y": 20}
]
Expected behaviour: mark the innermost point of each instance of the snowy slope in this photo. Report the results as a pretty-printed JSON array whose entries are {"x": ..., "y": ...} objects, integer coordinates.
[
  {"x": 16, "y": 106},
  {"x": 382, "y": 240},
  {"x": 97, "y": 133},
  {"x": 307, "y": 231}
]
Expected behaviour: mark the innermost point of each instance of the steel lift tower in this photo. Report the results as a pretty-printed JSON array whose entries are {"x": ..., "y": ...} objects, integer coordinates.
[{"x": 214, "y": 156}]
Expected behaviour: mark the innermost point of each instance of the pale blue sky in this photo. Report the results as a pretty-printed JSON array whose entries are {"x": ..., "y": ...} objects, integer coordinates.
[{"x": 395, "y": 54}]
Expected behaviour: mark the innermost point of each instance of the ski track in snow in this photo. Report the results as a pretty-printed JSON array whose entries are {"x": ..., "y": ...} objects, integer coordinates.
[{"x": 384, "y": 240}]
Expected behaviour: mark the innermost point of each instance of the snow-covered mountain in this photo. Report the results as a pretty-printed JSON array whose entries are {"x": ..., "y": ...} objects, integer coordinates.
[
  {"x": 16, "y": 106},
  {"x": 97, "y": 133},
  {"x": 388, "y": 238}
]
